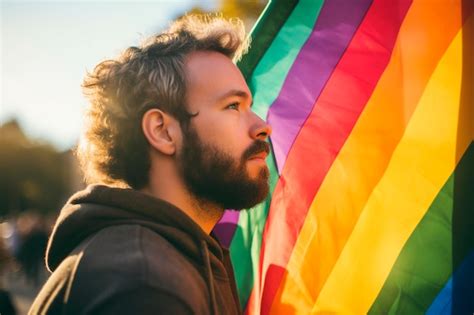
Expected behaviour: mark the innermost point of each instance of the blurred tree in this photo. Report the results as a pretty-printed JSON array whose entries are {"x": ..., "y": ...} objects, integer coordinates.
[
  {"x": 33, "y": 174},
  {"x": 246, "y": 10}
]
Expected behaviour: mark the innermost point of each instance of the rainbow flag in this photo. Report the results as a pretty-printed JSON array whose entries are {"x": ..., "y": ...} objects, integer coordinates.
[{"x": 372, "y": 171}]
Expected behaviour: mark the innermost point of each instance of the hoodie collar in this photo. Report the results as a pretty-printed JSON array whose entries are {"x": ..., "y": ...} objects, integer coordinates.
[{"x": 100, "y": 206}]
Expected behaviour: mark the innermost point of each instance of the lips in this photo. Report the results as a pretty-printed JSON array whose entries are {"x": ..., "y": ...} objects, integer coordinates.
[{"x": 259, "y": 156}]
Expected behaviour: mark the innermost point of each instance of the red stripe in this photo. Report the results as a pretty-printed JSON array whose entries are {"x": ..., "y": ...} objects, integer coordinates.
[{"x": 322, "y": 136}]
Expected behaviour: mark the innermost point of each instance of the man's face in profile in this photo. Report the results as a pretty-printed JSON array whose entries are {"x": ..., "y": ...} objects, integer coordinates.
[{"x": 223, "y": 153}]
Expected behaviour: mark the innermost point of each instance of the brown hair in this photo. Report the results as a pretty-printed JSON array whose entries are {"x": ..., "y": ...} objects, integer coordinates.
[{"x": 113, "y": 148}]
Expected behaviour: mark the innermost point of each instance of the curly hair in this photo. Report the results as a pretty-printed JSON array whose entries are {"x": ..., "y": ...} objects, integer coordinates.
[{"x": 113, "y": 149}]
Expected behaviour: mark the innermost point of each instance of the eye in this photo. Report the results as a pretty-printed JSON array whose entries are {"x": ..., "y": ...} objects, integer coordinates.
[{"x": 234, "y": 106}]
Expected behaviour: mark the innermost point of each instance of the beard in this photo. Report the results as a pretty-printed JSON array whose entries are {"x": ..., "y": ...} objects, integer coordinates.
[{"x": 213, "y": 175}]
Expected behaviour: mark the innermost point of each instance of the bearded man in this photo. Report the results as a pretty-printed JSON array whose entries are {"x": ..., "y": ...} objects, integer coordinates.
[{"x": 171, "y": 141}]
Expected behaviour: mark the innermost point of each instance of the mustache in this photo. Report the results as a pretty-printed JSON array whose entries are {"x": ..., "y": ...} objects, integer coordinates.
[{"x": 256, "y": 147}]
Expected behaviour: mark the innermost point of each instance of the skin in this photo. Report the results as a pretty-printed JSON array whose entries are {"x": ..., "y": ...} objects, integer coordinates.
[{"x": 217, "y": 91}]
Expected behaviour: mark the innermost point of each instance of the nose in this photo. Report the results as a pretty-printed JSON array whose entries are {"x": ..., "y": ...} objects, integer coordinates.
[{"x": 260, "y": 129}]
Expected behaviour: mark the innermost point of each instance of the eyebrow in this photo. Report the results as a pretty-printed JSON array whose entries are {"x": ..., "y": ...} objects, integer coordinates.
[{"x": 239, "y": 93}]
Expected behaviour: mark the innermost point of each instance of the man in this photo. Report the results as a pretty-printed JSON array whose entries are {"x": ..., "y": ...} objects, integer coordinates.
[
  {"x": 6, "y": 303},
  {"x": 172, "y": 136}
]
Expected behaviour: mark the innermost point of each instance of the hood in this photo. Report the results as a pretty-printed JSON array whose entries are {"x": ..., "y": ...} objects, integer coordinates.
[{"x": 99, "y": 206}]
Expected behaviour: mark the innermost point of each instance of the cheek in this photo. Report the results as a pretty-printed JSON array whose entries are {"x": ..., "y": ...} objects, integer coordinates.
[{"x": 224, "y": 132}]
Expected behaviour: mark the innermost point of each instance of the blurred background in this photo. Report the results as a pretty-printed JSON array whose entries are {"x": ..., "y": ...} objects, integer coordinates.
[{"x": 46, "y": 48}]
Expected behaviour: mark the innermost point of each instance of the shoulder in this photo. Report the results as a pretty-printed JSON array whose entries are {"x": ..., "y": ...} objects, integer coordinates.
[
  {"x": 127, "y": 261},
  {"x": 137, "y": 254},
  {"x": 141, "y": 300}
]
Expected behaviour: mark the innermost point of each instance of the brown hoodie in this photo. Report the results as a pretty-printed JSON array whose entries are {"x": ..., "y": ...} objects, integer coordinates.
[{"x": 118, "y": 251}]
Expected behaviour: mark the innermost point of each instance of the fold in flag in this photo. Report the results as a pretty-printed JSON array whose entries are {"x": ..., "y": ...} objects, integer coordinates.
[{"x": 371, "y": 205}]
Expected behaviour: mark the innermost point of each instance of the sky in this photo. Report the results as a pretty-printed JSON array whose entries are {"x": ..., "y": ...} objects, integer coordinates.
[{"x": 47, "y": 47}]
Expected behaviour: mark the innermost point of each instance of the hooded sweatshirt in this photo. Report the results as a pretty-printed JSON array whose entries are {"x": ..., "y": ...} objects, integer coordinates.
[{"x": 119, "y": 251}]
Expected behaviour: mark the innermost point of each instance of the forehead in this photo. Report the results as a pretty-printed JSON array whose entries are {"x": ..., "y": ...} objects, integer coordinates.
[{"x": 210, "y": 75}]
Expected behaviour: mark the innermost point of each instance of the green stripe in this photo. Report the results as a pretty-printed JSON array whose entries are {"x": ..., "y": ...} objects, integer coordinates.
[
  {"x": 271, "y": 20},
  {"x": 437, "y": 246},
  {"x": 265, "y": 83},
  {"x": 269, "y": 75}
]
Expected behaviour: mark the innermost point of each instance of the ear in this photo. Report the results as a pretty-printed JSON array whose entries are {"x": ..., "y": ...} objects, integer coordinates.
[{"x": 161, "y": 130}]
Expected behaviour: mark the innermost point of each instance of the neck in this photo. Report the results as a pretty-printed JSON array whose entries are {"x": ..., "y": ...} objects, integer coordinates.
[{"x": 204, "y": 213}]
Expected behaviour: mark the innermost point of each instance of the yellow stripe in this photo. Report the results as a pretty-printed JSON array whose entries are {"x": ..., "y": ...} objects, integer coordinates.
[
  {"x": 366, "y": 154},
  {"x": 420, "y": 165}
]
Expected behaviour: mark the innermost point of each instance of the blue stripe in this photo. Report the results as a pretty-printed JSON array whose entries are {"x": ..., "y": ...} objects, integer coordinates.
[{"x": 462, "y": 281}]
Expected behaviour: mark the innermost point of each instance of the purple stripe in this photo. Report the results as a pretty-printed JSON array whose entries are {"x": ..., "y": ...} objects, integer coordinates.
[
  {"x": 337, "y": 23},
  {"x": 225, "y": 229}
]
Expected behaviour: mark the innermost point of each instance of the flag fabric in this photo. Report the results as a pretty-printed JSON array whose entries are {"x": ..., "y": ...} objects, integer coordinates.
[{"x": 371, "y": 204}]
